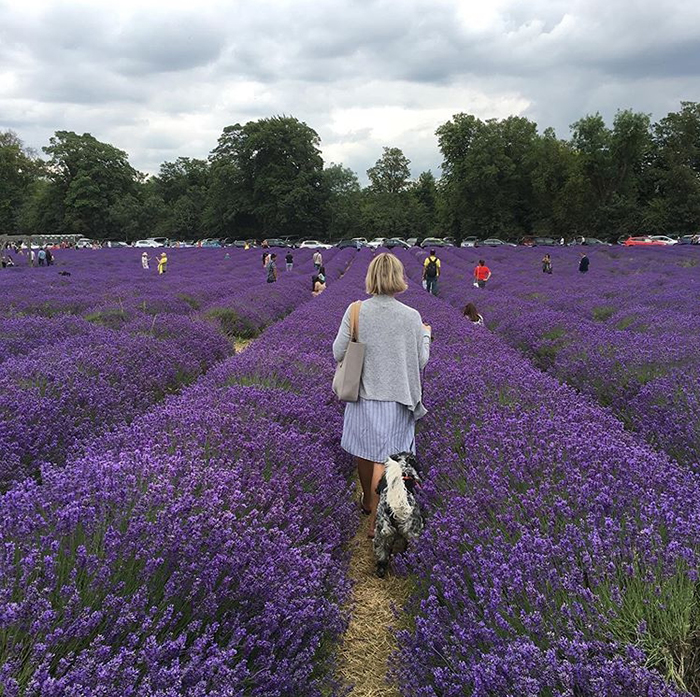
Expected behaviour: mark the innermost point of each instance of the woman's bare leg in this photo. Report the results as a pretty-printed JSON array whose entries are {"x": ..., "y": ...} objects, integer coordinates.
[
  {"x": 365, "y": 469},
  {"x": 377, "y": 474}
]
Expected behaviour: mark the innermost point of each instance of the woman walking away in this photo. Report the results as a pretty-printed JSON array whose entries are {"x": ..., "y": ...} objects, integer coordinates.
[
  {"x": 290, "y": 261},
  {"x": 397, "y": 347},
  {"x": 546, "y": 264},
  {"x": 471, "y": 312}
]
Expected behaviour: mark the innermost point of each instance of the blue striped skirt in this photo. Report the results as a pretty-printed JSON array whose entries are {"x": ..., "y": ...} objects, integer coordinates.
[{"x": 374, "y": 430}]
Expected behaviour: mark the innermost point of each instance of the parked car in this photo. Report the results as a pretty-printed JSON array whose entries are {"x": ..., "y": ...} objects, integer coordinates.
[
  {"x": 376, "y": 242},
  {"x": 116, "y": 243},
  {"x": 212, "y": 242},
  {"x": 344, "y": 244},
  {"x": 689, "y": 239},
  {"x": 277, "y": 242},
  {"x": 643, "y": 242},
  {"x": 495, "y": 242},
  {"x": 594, "y": 240},
  {"x": 161, "y": 241},
  {"x": 663, "y": 238},
  {"x": 449, "y": 242},
  {"x": 412, "y": 241},
  {"x": 314, "y": 244},
  {"x": 469, "y": 241},
  {"x": 84, "y": 243},
  {"x": 396, "y": 242},
  {"x": 150, "y": 243},
  {"x": 433, "y": 242},
  {"x": 362, "y": 241},
  {"x": 544, "y": 242}
]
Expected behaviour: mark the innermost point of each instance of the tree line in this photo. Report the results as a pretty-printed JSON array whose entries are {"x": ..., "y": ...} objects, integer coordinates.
[{"x": 267, "y": 178}]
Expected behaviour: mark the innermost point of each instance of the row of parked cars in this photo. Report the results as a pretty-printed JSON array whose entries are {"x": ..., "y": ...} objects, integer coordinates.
[{"x": 394, "y": 242}]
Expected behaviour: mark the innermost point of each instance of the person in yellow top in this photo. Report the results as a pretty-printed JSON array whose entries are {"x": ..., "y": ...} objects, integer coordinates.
[
  {"x": 431, "y": 272},
  {"x": 162, "y": 263}
]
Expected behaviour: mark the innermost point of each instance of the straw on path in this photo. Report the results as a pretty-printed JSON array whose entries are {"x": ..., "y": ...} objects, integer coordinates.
[{"x": 369, "y": 640}]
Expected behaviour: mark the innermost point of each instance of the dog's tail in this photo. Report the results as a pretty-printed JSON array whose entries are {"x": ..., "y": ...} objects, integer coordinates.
[{"x": 396, "y": 490}]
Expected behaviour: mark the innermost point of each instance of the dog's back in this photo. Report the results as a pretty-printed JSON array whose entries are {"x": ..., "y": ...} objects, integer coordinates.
[{"x": 398, "y": 513}]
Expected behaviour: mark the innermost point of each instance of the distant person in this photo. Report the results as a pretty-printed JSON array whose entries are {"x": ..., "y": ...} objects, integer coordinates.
[
  {"x": 584, "y": 263},
  {"x": 32, "y": 257},
  {"x": 561, "y": 241},
  {"x": 317, "y": 286},
  {"x": 482, "y": 273},
  {"x": 431, "y": 272},
  {"x": 41, "y": 256},
  {"x": 144, "y": 261},
  {"x": 318, "y": 260},
  {"x": 162, "y": 263},
  {"x": 546, "y": 264},
  {"x": 49, "y": 257},
  {"x": 265, "y": 259},
  {"x": 471, "y": 312},
  {"x": 271, "y": 269},
  {"x": 289, "y": 259}
]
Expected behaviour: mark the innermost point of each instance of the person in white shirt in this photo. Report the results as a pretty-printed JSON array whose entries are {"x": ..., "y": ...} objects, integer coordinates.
[{"x": 318, "y": 260}]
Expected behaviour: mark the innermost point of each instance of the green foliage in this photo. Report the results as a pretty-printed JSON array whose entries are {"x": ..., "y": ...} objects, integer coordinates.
[
  {"x": 266, "y": 179},
  {"x": 390, "y": 173},
  {"x": 19, "y": 170},
  {"x": 183, "y": 187},
  {"x": 87, "y": 178},
  {"x": 343, "y": 202}
]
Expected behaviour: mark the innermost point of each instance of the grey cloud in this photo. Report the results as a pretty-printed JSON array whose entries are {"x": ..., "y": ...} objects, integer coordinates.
[{"x": 164, "y": 83}]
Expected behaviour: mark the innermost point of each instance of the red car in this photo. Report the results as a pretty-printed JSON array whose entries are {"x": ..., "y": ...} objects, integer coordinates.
[{"x": 643, "y": 242}]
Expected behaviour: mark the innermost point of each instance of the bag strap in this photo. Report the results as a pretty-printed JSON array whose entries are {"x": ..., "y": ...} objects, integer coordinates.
[{"x": 354, "y": 319}]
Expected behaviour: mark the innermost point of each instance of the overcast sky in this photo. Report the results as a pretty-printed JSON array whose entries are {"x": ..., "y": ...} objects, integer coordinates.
[{"x": 161, "y": 79}]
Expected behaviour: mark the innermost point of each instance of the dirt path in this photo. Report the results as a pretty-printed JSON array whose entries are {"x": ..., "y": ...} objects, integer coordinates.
[{"x": 369, "y": 642}]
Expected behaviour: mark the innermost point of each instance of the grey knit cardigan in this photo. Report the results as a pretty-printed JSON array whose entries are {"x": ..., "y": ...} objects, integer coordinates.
[{"x": 397, "y": 348}]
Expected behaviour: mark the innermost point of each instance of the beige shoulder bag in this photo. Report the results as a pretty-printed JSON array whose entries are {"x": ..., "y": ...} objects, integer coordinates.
[{"x": 346, "y": 381}]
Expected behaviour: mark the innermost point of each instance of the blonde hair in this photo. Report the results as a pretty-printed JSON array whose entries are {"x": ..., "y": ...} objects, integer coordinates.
[{"x": 385, "y": 276}]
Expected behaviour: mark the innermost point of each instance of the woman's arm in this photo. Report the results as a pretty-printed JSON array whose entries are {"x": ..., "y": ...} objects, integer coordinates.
[
  {"x": 342, "y": 339},
  {"x": 424, "y": 346}
]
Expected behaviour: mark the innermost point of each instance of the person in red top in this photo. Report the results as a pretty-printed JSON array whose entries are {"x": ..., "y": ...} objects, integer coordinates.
[{"x": 482, "y": 273}]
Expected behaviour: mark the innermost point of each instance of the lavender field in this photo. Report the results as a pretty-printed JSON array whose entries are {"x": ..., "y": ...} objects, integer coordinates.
[{"x": 176, "y": 516}]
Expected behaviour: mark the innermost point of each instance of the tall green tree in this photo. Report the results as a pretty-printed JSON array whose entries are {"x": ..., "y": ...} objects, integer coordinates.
[
  {"x": 343, "y": 202},
  {"x": 487, "y": 168},
  {"x": 388, "y": 209},
  {"x": 19, "y": 170},
  {"x": 88, "y": 177},
  {"x": 612, "y": 163},
  {"x": 390, "y": 173},
  {"x": 266, "y": 180},
  {"x": 426, "y": 201},
  {"x": 673, "y": 183},
  {"x": 183, "y": 186}
]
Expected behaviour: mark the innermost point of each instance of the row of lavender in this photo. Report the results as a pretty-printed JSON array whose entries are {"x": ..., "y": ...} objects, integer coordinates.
[
  {"x": 65, "y": 377},
  {"x": 198, "y": 550},
  {"x": 626, "y": 333},
  {"x": 561, "y": 552}
]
